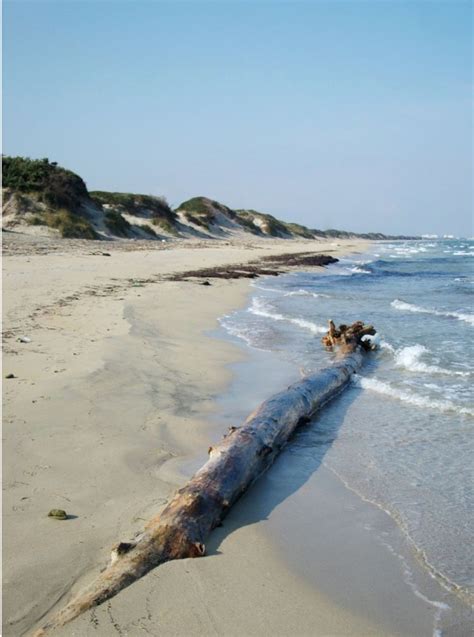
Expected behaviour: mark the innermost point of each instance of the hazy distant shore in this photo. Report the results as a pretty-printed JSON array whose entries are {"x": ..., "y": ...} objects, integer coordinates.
[{"x": 114, "y": 401}]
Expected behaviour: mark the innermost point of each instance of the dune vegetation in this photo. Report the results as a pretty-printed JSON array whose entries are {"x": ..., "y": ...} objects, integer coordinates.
[{"x": 38, "y": 192}]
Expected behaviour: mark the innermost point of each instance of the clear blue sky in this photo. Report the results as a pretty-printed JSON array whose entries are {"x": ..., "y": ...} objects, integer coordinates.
[{"x": 348, "y": 114}]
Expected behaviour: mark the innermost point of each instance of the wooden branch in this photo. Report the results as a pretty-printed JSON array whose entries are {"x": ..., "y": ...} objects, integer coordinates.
[
  {"x": 181, "y": 530},
  {"x": 348, "y": 337}
]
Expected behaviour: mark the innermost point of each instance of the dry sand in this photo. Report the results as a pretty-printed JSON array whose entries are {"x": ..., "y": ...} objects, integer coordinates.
[{"x": 110, "y": 410}]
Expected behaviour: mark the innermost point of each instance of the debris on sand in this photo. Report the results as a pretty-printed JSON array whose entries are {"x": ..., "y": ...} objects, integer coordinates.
[{"x": 57, "y": 514}]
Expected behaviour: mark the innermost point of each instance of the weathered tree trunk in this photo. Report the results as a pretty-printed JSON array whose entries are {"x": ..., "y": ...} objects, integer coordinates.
[{"x": 238, "y": 460}]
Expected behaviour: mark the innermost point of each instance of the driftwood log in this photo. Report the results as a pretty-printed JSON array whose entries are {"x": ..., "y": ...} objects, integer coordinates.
[
  {"x": 348, "y": 337},
  {"x": 181, "y": 529}
]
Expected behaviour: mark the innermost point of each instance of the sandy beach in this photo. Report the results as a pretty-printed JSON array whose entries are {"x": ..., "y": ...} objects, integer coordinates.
[
  {"x": 113, "y": 404},
  {"x": 237, "y": 365}
]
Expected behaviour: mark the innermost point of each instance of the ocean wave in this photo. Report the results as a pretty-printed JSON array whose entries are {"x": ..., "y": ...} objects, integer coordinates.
[
  {"x": 250, "y": 334},
  {"x": 387, "y": 346},
  {"x": 302, "y": 292},
  {"x": 260, "y": 308},
  {"x": 409, "y": 307},
  {"x": 346, "y": 270},
  {"x": 358, "y": 270},
  {"x": 411, "y": 250},
  {"x": 380, "y": 387},
  {"x": 341, "y": 269},
  {"x": 409, "y": 358},
  {"x": 265, "y": 289}
]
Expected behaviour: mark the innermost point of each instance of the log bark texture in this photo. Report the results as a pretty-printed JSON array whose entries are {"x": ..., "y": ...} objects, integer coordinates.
[{"x": 181, "y": 529}]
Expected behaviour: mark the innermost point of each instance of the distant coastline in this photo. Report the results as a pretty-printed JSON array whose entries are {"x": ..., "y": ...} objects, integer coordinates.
[{"x": 42, "y": 198}]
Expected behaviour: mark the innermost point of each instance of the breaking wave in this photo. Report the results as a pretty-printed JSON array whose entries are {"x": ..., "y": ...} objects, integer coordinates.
[
  {"x": 260, "y": 308},
  {"x": 302, "y": 292},
  {"x": 358, "y": 270},
  {"x": 409, "y": 307},
  {"x": 265, "y": 289},
  {"x": 409, "y": 358},
  {"x": 409, "y": 397}
]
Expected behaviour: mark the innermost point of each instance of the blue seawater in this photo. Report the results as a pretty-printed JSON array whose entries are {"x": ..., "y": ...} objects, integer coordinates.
[{"x": 402, "y": 436}]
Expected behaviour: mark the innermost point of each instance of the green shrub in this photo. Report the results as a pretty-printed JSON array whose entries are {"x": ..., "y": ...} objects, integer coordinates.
[
  {"x": 149, "y": 230},
  {"x": 36, "y": 221},
  {"x": 197, "y": 205},
  {"x": 198, "y": 210},
  {"x": 134, "y": 204},
  {"x": 69, "y": 225},
  {"x": 338, "y": 234},
  {"x": 165, "y": 225},
  {"x": 299, "y": 230},
  {"x": 272, "y": 226},
  {"x": 57, "y": 187},
  {"x": 245, "y": 219},
  {"x": 116, "y": 223},
  {"x": 202, "y": 219},
  {"x": 268, "y": 224}
]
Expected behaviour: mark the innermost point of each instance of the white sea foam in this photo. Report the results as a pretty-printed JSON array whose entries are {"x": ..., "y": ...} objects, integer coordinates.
[
  {"x": 409, "y": 250},
  {"x": 235, "y": 331},
  {"x": 358, "y": 270},
  {"x": 309, "y": 325},
  {"x": 342, "y": 271},
  {"x": 409, "y": 307},
  {"x": 387, "y": 346},
  {"x": 424, "y": 402},
  {"x": 432, "y": 386},
  {"x": 350, "y": 269},
  {"x": 239, "y": 330},
  {"x": 260, "y": 308},
  {"x": 265, "y": 289},
  {"x": 409, "y": 358},
  {"x": 302, "y": 292}
]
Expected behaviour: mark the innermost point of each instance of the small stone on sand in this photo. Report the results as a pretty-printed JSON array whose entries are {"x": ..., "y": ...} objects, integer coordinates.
[{"x": 57, "y": 514}]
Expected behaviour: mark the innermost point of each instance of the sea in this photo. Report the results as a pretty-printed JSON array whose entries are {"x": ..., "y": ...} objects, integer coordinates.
[{"x": 401, "y": 436}]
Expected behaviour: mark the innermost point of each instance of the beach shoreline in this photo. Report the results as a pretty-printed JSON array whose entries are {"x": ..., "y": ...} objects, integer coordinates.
[
  {"x": 110, "y": 410},
  {"x": 321, "y": 527}
]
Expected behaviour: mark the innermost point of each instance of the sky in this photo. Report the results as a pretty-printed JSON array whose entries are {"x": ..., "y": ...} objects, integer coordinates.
[{"x": 336, "y": 114}]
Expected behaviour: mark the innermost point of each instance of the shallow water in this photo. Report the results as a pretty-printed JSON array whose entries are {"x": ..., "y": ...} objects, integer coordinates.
[{"x": 402, "y": 435}]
